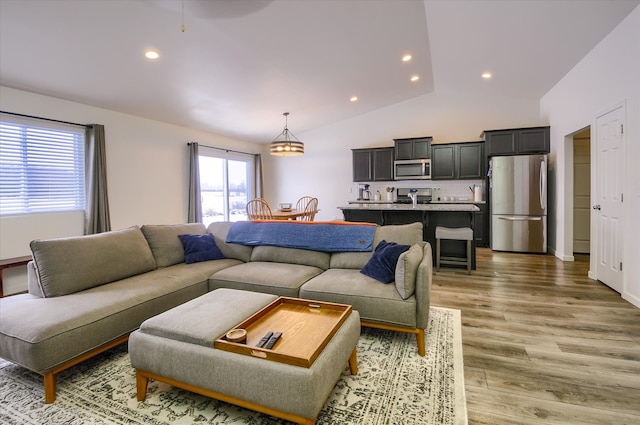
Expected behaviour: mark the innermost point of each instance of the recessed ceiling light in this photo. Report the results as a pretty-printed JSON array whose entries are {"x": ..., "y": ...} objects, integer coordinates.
[
  {"x": 354, "y": 98},
  {"x": 406, "y": 58},
  {"x": 486, "y": 75},
  {"x": 151, "y": 54},
  {"x": 415, "y": 78}
]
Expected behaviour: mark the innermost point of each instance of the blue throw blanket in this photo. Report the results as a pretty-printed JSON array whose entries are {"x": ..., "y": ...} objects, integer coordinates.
[{"x": 314, "y": 235}]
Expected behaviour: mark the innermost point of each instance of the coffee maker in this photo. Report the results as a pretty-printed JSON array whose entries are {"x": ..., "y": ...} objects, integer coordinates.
[{"x": 363, "y": 192}]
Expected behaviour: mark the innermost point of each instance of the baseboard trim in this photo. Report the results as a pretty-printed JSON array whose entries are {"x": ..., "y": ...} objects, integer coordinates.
[
  {"x": 632, "y": 299},
  {"x": 560, "y": 256}
]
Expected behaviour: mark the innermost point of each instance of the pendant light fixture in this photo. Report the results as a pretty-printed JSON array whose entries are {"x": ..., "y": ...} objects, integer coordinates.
[{"x": 286, "y": 144}]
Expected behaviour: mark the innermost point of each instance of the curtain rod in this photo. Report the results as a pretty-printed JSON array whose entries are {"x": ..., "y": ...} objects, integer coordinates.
[
  {"x": 47, "y": 119},
  {"x": 222, "y": 149}
]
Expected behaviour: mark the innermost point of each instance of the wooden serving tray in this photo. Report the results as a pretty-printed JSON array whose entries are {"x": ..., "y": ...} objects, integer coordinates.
[{"x": 307, "y": 326}]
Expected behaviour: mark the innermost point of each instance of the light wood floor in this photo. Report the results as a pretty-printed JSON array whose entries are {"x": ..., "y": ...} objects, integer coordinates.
[{"x": 543, "y": 344}]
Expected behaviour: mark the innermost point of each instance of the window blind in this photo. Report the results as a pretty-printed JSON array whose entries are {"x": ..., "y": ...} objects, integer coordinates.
[{"x": 41, "y": 166}]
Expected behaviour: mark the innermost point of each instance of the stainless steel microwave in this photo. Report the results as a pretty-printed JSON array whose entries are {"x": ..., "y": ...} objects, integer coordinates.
[{"x": 412, "y": 169}]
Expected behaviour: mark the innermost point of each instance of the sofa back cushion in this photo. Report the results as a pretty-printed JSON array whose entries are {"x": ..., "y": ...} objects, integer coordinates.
[
  {"x": 404, "y": 234},
  {"x": 277, "y": 254},
  {"x": 67, "y": 265},
  {"x": 164, "y": 242},
  {"x": 219, "y": 231},
  {"x": 349, "y": 260}
]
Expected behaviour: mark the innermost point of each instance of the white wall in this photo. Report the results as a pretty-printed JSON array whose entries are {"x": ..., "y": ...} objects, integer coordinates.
[
  {"x": 608, "y": 76},
  {"x": 147, "y": 166},
  {"x": 325, "y": 170}
]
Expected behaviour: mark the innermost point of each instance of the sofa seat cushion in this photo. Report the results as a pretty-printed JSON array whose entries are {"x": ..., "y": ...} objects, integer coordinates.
[
  {"x": 61, "y": 328},
  {"x": 374, "y": 300},
  {"x": 273, "y": 278},
  {"x": 67, "y": 265}
]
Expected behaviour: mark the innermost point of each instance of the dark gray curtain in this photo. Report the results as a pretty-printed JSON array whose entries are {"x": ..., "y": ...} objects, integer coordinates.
[
  {"x": 258, "y": 175},
  {"x": 194, "y": 214},
  {"x": 96, "y": 213}
]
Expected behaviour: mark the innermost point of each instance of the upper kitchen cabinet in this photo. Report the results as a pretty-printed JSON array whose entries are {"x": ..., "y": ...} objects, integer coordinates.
[
  {"x": 362, "y": 165},
  {"x": 443, "y": 159},
  {"x": 374, "y": 164},
  {"x": 471, "y": 160},
  {"x": 413, "y": 148},
  {"x": 453, "y": 161},
  {"x": 518, "y": 141}
]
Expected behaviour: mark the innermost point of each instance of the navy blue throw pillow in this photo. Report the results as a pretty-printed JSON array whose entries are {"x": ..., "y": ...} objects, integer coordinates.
[
  {"x": 382, "y": 264},
  {"x": 200, "y": 248}
]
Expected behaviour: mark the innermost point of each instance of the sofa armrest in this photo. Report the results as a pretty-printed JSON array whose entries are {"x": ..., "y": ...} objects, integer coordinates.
[{"x": 423, "y": 287}]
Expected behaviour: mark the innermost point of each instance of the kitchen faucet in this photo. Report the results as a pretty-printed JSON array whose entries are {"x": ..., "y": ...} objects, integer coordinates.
[{"x": 414, "y": 197}]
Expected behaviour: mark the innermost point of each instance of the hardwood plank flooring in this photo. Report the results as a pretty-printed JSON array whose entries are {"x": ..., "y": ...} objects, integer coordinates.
[{"x": 543, "y": 343}]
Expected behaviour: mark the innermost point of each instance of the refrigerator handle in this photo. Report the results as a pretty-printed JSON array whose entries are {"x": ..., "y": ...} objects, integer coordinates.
[
  {"x": 520, "y": 218},
  {"x": 543, "y": 185}
]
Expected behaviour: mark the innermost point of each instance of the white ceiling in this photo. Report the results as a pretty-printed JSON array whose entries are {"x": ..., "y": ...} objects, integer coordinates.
[{"x": 240, "y": 64}]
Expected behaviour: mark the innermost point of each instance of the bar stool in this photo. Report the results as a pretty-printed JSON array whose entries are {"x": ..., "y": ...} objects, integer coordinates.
[{"x": 458, "y": 234}]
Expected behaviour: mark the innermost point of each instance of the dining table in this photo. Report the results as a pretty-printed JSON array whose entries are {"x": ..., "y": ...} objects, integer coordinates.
[{"x": 292, "y": 214}]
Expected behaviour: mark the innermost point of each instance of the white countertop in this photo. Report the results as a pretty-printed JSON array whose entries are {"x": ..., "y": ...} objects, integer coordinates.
[
  {"x": 465, "y": 201},
  {"x": 387, "y": 206}
]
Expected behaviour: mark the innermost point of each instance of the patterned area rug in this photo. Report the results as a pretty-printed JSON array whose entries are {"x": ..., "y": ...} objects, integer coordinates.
[{"x": 393, "y": 386}]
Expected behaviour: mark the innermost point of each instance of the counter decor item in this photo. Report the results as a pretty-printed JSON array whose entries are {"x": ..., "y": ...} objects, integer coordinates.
[
  {"x": 477, "y": 194},
  {"x": 390, "y": 193}
]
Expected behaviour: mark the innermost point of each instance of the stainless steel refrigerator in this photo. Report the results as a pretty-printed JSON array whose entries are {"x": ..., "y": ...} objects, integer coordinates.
[{"x": 518, "y": 194}]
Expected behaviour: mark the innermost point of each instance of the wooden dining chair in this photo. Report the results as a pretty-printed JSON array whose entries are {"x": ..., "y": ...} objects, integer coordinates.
[
  {"x": 301, "y": 205},
  {"x": 310, "y": 210},
  {"x": 258, "y": 209}
]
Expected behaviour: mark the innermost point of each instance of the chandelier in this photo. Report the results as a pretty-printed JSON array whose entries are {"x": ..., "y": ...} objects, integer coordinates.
[{"x": 286, "y": 144}]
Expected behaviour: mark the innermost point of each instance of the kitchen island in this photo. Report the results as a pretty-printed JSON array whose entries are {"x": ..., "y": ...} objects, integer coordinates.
[{"x": 429, "y": 214}]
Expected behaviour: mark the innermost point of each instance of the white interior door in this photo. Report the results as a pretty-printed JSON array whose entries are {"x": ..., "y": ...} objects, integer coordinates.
[{"x": 607, "y": 205}]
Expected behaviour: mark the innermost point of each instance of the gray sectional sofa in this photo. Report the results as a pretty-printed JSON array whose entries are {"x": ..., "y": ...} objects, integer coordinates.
[{"x": 88, "y": 293}]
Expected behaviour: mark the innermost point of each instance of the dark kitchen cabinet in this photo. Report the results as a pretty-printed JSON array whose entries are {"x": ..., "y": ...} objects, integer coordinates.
[
  {"x": 443, "y": 162},
  {"x": 458, "y": 161},
  {"x": 413, "y": 148},
  {"x": 471, "y": 160},
  {"x": 520, "y": 141},
  {"x": 383, "y": 164},
  {"x": 481, "y": 226},
  {"x": 373, "y": 164},
  {"x": 362, "y": 165}
]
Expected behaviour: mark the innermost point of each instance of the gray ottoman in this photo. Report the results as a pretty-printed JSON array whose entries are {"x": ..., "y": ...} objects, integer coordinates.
[{"x": 176, "y": 347}]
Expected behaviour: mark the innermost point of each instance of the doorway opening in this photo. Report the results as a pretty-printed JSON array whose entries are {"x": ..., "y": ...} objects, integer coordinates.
[{"x": 582, "y": 191}]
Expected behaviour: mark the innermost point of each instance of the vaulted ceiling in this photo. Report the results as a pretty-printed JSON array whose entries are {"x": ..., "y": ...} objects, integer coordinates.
[{"x": 238, "y": 65}]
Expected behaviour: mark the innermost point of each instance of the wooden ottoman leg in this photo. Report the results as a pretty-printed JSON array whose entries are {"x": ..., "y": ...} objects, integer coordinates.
[
  {"x": 141, "y": 385},
  {"x": 49, "y": 387},
  {"x": 353, "y": 362}
]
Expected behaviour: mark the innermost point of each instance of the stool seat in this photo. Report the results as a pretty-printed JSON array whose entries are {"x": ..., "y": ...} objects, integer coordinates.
[{"x": 457, "y": 234}]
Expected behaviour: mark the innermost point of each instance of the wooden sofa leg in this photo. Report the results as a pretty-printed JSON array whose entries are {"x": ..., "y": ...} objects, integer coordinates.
[
  {"x": 421, "y": 343},
  {"x": 49, "y": 387}
]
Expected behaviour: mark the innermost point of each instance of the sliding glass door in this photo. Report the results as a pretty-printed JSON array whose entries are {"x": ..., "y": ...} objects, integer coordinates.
[{"x": 225, "y": 185}]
